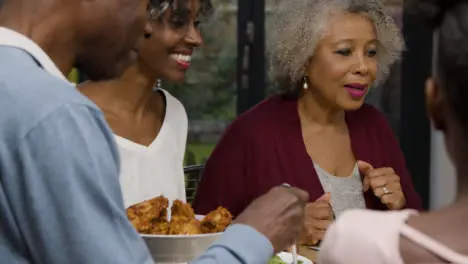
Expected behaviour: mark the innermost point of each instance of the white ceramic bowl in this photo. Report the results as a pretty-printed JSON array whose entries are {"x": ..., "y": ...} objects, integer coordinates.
[{"x": 178, "y": 248}]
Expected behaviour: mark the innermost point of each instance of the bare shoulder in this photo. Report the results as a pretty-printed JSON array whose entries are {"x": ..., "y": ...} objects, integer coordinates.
[
  {"x": 433, "y": 226},
  {"x": 412, "y": 253}
]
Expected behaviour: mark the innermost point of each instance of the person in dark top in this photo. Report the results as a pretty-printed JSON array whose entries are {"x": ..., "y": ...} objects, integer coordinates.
[{"x": 318, "y": 134}]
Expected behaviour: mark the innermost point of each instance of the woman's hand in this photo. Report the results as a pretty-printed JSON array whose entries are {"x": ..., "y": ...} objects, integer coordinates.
[
  {"x": 385, "y": 184},
  {"x": 318, "y": 217}
]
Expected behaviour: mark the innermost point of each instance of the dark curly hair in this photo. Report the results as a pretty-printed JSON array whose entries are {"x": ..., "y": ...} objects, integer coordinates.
[
  {"x": 179, "y": 9},
  {"x": 449, "y": 19}
]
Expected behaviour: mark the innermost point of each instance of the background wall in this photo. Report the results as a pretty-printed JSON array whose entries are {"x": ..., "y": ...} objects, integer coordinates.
[{"x": 443, "y": 183}]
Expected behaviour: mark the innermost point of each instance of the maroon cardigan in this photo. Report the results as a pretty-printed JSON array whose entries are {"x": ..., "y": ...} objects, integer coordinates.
[{"x": 264, "y": 148}]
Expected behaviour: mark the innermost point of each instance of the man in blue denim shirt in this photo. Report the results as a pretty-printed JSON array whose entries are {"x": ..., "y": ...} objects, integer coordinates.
[{"x": 60, "y": 198}]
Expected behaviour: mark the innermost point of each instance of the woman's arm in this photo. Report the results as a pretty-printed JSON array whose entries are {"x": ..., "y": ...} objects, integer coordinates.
[{"x": 224, "y": 180}]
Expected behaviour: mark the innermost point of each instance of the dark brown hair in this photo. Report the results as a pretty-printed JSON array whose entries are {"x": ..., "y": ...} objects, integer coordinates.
[
  {"x": 179, "y": 8},
  {"x": 449, "y": 18}
]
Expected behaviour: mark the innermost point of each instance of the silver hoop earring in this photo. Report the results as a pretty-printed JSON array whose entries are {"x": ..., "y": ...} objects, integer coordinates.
[{"x": 305, "y": 84}]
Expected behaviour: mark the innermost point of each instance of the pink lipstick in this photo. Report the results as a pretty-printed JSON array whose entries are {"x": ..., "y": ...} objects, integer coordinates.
[{"x": 356, "y": 90}]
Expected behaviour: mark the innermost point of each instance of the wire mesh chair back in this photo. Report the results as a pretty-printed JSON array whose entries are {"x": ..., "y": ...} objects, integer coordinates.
[{"x": 193, "y": 174}]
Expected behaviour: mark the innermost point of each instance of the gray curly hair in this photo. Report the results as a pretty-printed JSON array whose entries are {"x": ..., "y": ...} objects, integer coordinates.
[{"x": 297, "y": 27}]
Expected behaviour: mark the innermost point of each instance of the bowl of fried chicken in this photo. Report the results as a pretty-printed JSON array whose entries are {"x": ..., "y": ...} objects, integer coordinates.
[{"x": 179, "y": 236}]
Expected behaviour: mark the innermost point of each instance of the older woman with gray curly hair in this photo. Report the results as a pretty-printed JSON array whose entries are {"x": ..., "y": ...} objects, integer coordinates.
[{"x": 318, "y": 134}]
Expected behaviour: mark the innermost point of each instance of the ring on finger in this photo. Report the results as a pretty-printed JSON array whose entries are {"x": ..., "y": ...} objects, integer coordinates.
[{"x": 385, "y": 190}]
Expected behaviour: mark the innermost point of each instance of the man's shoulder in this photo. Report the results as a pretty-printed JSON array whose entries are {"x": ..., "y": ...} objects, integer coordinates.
[
  {"x": 22, "y": 79},
  {"x": 28, "y": 95}
]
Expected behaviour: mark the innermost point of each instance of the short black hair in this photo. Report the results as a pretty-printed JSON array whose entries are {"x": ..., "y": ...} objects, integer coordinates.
[{"x": 449, "y": 18}]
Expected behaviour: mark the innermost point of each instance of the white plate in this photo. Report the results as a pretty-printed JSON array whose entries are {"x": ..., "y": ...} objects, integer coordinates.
[{"x": 288, "y": 258}]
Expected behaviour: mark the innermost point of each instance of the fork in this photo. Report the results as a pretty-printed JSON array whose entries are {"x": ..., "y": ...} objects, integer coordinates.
[
  {"x": 294, "y": 253},
  {"x": 294, "y": 247}
]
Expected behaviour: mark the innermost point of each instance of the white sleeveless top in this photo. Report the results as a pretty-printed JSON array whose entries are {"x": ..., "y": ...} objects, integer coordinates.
[
  {"x": 365, "y": 236},
  {"x": 157, "y": 169}
]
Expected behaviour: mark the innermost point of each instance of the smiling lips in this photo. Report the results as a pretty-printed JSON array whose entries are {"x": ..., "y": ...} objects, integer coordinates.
[
  {"x": 356, "y": 90},
  {"x": 183, "y": 60}
]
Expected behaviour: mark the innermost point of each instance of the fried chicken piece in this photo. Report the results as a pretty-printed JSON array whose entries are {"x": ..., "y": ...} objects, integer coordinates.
[
  {"x": 183, "y": 221},
  {"x": 181, "y": 227},
  {"x": 181, "y": 211},
  {"x": 159, "y": 228},
  {"x": 150, "y": 217},
  {"x": 148, "y": 213},
  {"x": 216, "y": 221}
]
